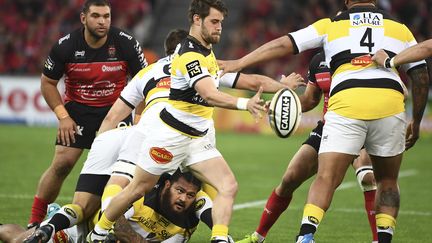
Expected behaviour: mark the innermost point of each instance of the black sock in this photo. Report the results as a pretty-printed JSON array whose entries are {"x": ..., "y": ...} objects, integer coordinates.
[
  {"x": 384, "y": 237},
  {"x": 59, "y": 221},
  {"x": 307, "y": 229}
]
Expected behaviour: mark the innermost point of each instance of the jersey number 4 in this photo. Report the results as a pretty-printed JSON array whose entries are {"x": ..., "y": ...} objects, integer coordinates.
[{"x": 366, "y": 40}]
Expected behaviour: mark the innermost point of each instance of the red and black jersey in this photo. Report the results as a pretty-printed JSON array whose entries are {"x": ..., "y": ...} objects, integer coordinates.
[
  {"x": 320, "y": 75},
  {"x": 94, "y": 77}
]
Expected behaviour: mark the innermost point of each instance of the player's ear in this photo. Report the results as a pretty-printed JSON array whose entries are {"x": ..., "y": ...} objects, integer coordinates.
[
  {"x": 167, "y": 184},
  {"x": 82, "y": 18}
]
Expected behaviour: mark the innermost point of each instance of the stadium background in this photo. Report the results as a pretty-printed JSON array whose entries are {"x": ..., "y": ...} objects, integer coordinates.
[{"x": 28, "y": 28}]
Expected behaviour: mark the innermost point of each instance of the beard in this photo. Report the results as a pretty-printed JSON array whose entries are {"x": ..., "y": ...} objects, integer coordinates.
[
  {"x": 211, "y": 38},
  {"x": 166, "y": 204},
  {"x": 95, "y": 34}
]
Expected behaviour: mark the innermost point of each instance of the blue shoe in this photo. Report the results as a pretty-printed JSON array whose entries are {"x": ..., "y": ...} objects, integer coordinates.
[
  {"x": 52, "y": 209},
  {"x": 308, "y": 238}
]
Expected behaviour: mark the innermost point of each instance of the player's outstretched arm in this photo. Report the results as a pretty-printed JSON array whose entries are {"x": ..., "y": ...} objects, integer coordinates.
[
  {"x": 207, "y": 90},
  {"x": 414, "y": 53},
  {"x": 276, "y": 48},
  {"x": 119, "y": 111},
  {"x": 255, "y": 81},
  {"x": 67, "y": 126}
]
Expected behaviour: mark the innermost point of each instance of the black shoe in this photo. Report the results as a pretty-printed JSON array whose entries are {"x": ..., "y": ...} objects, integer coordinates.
[
  {"x": 32, "y": 225},
  {"x": 41, "y": 235},
  {"x": 218, "y": 240}
]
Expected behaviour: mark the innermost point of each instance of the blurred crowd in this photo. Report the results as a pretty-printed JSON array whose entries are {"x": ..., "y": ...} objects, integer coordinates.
[
  {"x": 264, "y": 20},
  {"x": 28, "y": 28}
]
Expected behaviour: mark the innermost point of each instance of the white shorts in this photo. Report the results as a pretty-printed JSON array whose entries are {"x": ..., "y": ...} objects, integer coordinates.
[
  {"x": 105, "y": 150},
  {"x": 383, "y": 137},
  {"x": 164, "y": 149}
]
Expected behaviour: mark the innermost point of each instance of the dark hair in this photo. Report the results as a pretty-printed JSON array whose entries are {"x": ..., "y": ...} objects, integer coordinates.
[
  {"x": 202, "y": 8},
  {"x": 89, "y": 3},
  {"x": 173, "y": 38},
  {"x": 187, "y": 176}
]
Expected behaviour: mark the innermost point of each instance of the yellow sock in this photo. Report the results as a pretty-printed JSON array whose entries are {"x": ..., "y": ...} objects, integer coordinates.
[
  {"x": 110, "y": 191},
  {"x": 211, "y": 191},
  {"x": 312, "y": 214},
  {"x": 104, "y": 223},
  {"x": 219, "y": 230},
  {"x": 385, "y": 221}
]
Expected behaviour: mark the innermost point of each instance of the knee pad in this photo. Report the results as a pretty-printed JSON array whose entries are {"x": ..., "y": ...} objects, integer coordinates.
[
  {"x": 360, "y": 173},
  {"x": 124, "y": 168}
]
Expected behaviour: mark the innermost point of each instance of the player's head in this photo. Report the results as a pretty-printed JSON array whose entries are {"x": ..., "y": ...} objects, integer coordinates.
[
  {"x": 179, "y": 192},
  {"x": 96, "y": 17},
  {"x": 206, "y": 17},
  {"x": 351, "y": 2},
  {"x": 173, "y": 38}
]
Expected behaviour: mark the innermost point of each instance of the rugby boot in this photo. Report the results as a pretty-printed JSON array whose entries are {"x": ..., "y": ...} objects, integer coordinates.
[
  {"x": 94, "y": 237},
  {"x": 218, "y": 240},
  {"x": 307, "y": 238},
  {"x": 252, "y": 238}
]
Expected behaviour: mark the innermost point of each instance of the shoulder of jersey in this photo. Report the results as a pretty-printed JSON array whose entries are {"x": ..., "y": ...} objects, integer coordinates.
[
  {"x": 284, "y": 112},
  {"x": 69, "y": 38},
  {"x": 120, "y": 34},
  {"x": 187, "y": 45}
]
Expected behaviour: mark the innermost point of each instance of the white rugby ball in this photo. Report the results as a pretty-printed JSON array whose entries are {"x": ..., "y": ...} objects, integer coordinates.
[{"x": 285, "y": 112}]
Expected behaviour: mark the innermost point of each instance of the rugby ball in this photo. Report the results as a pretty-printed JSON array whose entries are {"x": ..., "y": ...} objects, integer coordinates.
[{"x": 284, "y": 112}]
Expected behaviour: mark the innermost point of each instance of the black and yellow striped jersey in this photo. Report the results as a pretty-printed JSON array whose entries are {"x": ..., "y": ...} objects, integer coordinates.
[
  {"x": 191, "y": 63},
  {"x": 154, "y": 224},
  {"x": 360, "y": 92}
]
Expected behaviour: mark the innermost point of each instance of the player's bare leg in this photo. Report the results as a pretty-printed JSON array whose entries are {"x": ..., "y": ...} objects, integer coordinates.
[
  {"x": 366, "y": 179},
  {"x": 217, "y": 173},
  {"x": 331, "y": 171},
  {"x": 52, "y": 179},
  {"x": 387, "y": 200}
]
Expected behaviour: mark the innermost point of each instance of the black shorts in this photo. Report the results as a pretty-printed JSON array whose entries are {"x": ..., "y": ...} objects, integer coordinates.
[
  {"x": 88, "y": 120},
  {"x": 314, "y": 138}
]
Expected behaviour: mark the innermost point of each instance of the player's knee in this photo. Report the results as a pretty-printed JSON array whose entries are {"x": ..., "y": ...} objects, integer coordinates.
[
  {"x": 228, "y": 188},
  {"x": 291, "y": 179},
  {"x": 366, "y": 178}
]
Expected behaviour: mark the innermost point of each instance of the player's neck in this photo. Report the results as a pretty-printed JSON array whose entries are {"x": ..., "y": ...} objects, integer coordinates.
[
  {"x": 198, "y": 37},
  {"x": 92, "y": 41}
]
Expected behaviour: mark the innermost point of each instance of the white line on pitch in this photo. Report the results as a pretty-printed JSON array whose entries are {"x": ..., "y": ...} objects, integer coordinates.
[{"x": 343, "y": 186}]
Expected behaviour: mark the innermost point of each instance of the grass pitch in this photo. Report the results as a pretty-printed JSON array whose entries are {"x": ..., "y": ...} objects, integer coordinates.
[{"x": 258, "y": 162}]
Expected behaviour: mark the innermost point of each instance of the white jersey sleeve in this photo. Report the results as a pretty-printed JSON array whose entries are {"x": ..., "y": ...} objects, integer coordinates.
[{"x": 229, "y": 80}]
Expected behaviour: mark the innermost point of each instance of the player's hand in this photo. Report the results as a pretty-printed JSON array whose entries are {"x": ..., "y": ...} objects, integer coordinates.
[
  {"x": 293, "y": 81},
  {"x": 229, "y": 66},
  {"x": 256, "y": 105},
  {"x": 66, "y": 131},
  {"x": 380, "y": 57},
  {"x": 412, "y": 134}
]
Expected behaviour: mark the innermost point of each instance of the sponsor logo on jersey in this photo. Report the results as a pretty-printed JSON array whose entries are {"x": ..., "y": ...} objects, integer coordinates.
[
  {"x": 49, "y": 64},
  {"x": 111, "y": 51},
  {"x": 106, "y": 68},
  {"x": 285, "y": 113},
  {"x": 199, "y": 204},
  {"x": 79, "y": 55},
  {"x": 60, "y": 237},
  {"x": 125, "y": 35},
  {"x": 193, "y": 68},
  {"x": 70, "y": 212},
  {"x": 164, "y": 83},
  {"x": 63, "y": 39},
  {"x": 362, "y": 60},
  {"x": 160, "y": 155},
  {"x": 366, "y": 18},
  {"x": 163, "y": 222},
  {"x": 313, "y": 220}
]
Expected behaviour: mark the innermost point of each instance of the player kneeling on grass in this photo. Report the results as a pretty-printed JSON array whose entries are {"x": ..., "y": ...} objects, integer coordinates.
[{"x": 171, "y": 211}]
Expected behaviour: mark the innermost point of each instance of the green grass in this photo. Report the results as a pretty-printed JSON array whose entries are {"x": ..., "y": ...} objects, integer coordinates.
[{"x": 258, "y": 162}]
